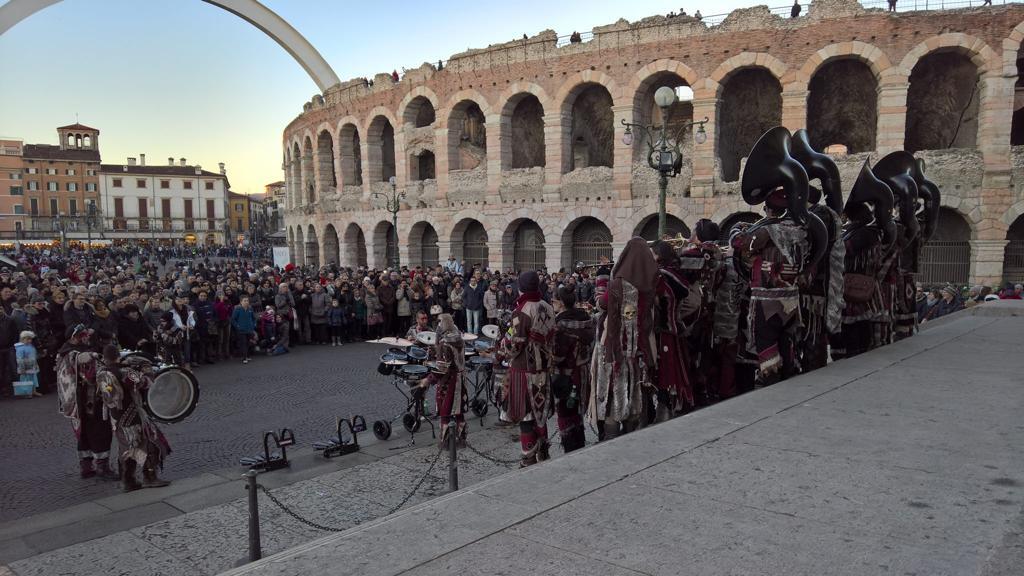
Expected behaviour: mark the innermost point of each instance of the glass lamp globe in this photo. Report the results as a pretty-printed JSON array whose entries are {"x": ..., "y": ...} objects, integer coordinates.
[
  {"x": 627, "y": 137},
  {"x": 664, "y": 97},
  {"x": 701, "y": 136}
]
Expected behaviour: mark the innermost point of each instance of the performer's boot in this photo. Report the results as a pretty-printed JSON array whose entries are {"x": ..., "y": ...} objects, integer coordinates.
[
  {"x": 150, "y": 479},
  {"x": 528, "y": 442},
  {"x": 128, "y": 481},
  {"x": 85, "y": 467},
  {"x": 104, "y": 471}
]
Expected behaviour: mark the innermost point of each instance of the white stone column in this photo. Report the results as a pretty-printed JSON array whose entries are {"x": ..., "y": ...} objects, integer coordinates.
[
  {"x": 705, "y": 103},
  {"x": 987, "y": 261},
  {"x": 622, "y": 171},
  {"x": 492, "y": 127},
  {"x": 556, "y": 127}
]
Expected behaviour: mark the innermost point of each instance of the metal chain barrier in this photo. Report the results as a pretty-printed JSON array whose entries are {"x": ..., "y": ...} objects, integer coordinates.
[
  {"x": 489, "y": 457},
  {"x": 325, "y": 528}
]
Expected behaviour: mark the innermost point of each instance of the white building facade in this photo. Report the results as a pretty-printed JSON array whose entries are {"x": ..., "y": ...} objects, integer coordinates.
[{"x": 173, "y": 204}]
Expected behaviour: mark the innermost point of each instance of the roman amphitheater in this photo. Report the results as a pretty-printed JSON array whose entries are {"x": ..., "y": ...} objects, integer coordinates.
[{"x": 513, "y": 155}]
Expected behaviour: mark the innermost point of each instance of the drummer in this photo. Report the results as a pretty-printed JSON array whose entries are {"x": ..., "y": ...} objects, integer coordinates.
[
  {"x": 141, "y": 442},
  {"x": 422, "y": 325},
  {"x": 451, "y": 395}
]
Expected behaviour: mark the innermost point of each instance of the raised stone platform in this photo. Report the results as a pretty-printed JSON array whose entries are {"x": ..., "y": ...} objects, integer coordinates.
[{"x": 902, "y": 461}]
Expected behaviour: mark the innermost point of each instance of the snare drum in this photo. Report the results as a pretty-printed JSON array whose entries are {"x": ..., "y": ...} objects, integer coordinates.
[
  {"x": 389, "y": 361},
  {"x": 412, "y": 372},
  {"x": 416, "y": 354}
]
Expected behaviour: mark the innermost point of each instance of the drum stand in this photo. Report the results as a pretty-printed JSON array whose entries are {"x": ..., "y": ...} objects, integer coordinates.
[
  {"x": 482, "y": 384},
  {"x": 414, "y": 413}
]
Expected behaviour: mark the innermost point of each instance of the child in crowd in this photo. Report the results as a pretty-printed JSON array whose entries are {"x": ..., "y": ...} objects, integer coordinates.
[
  {"x": 336, "y": 322},
  {"x": 283, "y": 336},
  {"x": 268, "y": 329},
  {"x": 28, "y": 368}
]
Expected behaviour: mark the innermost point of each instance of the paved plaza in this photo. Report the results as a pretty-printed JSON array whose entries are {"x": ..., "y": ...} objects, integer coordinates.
[{"x": 305, "y": 391}]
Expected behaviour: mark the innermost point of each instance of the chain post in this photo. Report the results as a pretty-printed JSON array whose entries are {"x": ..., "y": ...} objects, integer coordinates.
[{"x": 255, "y": 550}]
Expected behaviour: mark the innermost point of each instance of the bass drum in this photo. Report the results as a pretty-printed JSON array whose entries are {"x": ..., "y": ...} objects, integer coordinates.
[{"x": 172, "y": 395}]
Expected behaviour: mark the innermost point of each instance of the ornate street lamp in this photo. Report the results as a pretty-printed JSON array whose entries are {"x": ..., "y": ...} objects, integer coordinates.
[
  {"x": 60, "y": 224},
  {"x": 392, "y": 203},
  {"x": 91, "y": 217},
  {"x": 664, "y": 155}
]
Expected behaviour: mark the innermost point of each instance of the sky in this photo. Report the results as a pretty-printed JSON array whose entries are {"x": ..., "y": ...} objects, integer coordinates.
[{"x": 183, "y": 78}]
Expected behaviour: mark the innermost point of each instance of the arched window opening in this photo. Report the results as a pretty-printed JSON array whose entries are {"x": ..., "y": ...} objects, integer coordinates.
[
  {"x": 355, "y": 246},
  {"x": 312, "y": 248},
  {"x": 1013, "y": 258},
  {"x": 751, "y": 104},
  {"x": 474, "y": 245},
  {"x": 381, "y": 140},
  {"x": 591, "y": 240},
  {"x": 646, "y": 111},
  {"x": 71, "y": 140},
  {"x": 528, "y": 250},
  {"x": 946, "y": 258},
  {"x": 295, "y": 189},
  {"x": 524, "y": 130},
  {"x": 300, "y": 247},
  {"x": 733, "y": 220},
  {"x": 842, "y": 107},
  {"x": 942, "y": 103},
  {"x": 325, "y": 162},
  {"x": 351, "y": 156},
  {"x": 674, "y": 227},
  {"x": 423, "y": 248},
  {"x": 308, "y": 175},
  {"x": 87, "y": 141},
  {"x": 467, "y": 137},
  {"x": 422, "y": 166},
  {"x": 331, "y": 253},
  {"x": 592, "y": 136},
  {"x": 419, "y": 112}
]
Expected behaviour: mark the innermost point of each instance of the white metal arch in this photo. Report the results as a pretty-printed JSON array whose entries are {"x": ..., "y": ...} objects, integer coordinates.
[{"x": 251, "y": 11}]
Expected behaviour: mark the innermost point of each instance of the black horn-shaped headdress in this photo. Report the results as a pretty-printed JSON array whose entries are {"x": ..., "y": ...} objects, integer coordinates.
[
  {"x": 770, "y": 166},
  {"x": 870, "y": 190},
  {"x": 897, "y": 170},
  {"x": 820, "y": 166}
]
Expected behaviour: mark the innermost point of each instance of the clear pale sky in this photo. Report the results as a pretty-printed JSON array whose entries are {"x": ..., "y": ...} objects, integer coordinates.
[{"x": 183, "y": 78}]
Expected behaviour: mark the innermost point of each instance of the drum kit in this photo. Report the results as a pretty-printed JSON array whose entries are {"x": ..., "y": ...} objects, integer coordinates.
[
  {"x": 408, "y": 366},
  {"x": 481, "y": 369},
  {"x": 173, "y": 392}
]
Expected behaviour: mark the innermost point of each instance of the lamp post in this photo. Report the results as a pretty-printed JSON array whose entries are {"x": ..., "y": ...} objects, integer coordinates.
[
  {"x": 392, "y": 203},
  {"x": 90, "y": 221},
  {"x": 60, "y": 224},
  {"x": 664, "y": 155}
]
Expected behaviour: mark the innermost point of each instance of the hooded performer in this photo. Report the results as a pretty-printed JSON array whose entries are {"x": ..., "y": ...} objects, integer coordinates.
[
  {"x": 624, "y": 356},
  {"x": 450, "y": 391},
  {"x": 573, "y": 342},
  {"x": 81, "y": 401},
  {"x": 528, "y": 352}
]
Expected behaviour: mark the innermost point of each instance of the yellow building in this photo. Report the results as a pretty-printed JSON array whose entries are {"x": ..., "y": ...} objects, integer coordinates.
[{"x": 238, "y": 217}]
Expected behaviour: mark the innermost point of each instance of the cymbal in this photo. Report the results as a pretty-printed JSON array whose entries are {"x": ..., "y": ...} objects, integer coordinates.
[
  {"x": 392, "y": 341},
  {"x": 468, "y": 337},
  {"x": 395, "y": 362}
]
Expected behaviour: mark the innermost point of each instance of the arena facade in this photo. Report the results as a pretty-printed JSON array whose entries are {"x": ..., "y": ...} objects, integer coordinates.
[{"x": 513, "y": 155}]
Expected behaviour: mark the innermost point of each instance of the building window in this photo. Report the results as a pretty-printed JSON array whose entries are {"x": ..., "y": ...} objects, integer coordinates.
[
  {"x": 32, "y": 170},
  {"x": 239, "y": 222},
  {"x": 188, "y": 184},
  {"x": 33, "y": 206},
  {"x": 19, "y": 209},
  {"x": 72, "y": 187},
  {"x": 51, "y": 186},
  {"x": 90, "y": 172},
  {"x": 70, "y": 172},
  {"x": 51, "y": 171},
  {"x": 238, "y": 207},
  {"x": 90, "y": 186},
  {"x": 33, "y": 185},
  {"x": 16, "y": 191},
  {"x": 53, "y": 206},
  {"x": 165, "y": 184},
  {"x": 117, "y": 183},
  {"x": 15, "y": 176},
  {"x": 140, "y": 183},
  {"x": 73, "y": 206},
  {"x": 209, "y": 185}
]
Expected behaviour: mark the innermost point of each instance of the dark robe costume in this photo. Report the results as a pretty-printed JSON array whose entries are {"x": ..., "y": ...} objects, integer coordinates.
[{"x": 572, "y": 346}]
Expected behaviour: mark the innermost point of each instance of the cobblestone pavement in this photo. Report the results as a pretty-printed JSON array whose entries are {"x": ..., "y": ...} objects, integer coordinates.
[{"x": 305, "y": 391}]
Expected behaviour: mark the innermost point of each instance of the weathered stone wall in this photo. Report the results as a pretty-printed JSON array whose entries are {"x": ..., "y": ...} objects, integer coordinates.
[
  {"x": 842, "y": 106},
  {"x": 980, "y": 181},
  {"x": 943, "y": 103}
]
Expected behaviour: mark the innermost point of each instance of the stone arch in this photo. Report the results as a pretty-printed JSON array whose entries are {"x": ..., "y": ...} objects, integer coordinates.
[
  {"x": 1013, "y": 254},
  {"x": 326, "y": 179},
  {"x": 423, "y": 245},
  {"x": 744, "y": 60},
  {"x": 355, "y": 246},
  {"x": 469, "y": 241},
  {"x": 419, "y": 107},
  {"x": 739, "y": 122},
  {"x": 308, "y": 172},
  {"x": 522, "y": 127},
  {"x": 351, "y": 155},
  {"x": 946, "y": 258},
  {"x": 312, "y": 248},
  {"x": 467, "y": 134},
  {"x": 380, "y": 142},
  {"x": 589, "y": 139},
  {"x": 651, "y": 70},
  {"x": 585, "y": 240},
  {"x": 871, "y": 55},
  {"x": 525, "y": 238},
  {"x": 331, "y": 246},
  {"x": 1013, "y": 63},
  {"x": 646, "y": 112},
  {"x": 253, "y": 12},
  {"x": 735, "y": 218},
  {"x": 984, "y": 57},
  {"x": 842, "y": 104},
  {"x": 647, "y": 227},
  {"x": 385, "y": 244},
  {"x": 300, "y": 246}
]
